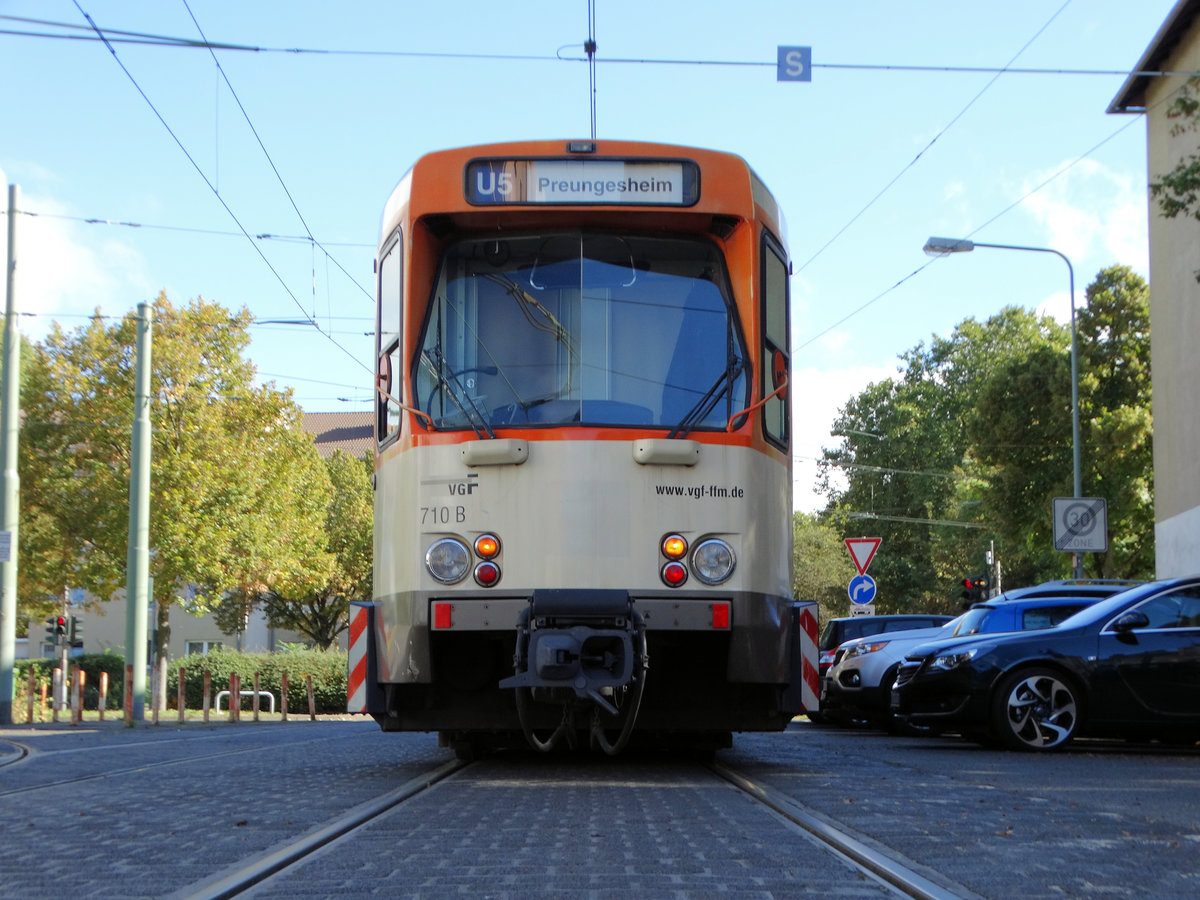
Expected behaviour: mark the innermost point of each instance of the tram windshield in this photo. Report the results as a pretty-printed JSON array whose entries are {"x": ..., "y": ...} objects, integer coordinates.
[{"x": 582, "y": 328}]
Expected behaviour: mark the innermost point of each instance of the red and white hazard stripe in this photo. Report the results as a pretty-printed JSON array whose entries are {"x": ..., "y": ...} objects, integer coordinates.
[
  {"x": 356, "y": 688},
  {"x": 810, "y": 689}
]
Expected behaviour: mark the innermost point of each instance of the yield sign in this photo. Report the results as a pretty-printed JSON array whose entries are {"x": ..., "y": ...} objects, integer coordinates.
[{"x": 862, "y": 551}]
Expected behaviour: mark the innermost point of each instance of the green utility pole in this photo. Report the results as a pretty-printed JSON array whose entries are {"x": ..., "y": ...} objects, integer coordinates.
[
  {"x": 10, "y": 505},
  {"x": 137, "y": 576}
]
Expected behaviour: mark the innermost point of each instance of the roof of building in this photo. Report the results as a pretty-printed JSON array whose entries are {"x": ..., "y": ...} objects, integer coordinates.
[
  {"x": 351, "y": 432},
  {"x": 1132, "y": 96}
]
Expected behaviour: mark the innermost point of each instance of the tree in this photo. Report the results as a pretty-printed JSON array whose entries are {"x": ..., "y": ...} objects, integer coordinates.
[
  {"x": 966, "y": 449},
  {"x": 907, "y": 459},
  {"x": 238, "y": 490},
  {"x": 1022, "y": 422},
  {"x": 821, "y": 567},
  {"x": 322, "y": 613}
]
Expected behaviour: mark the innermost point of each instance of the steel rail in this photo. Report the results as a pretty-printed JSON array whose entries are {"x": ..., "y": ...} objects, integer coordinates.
[
  {"x": 244, "y": 876},
  {"x": 882, "y": 866}
]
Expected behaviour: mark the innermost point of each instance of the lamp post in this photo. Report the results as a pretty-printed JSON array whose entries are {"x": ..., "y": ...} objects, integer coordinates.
[{"x": 940, "y": 246}]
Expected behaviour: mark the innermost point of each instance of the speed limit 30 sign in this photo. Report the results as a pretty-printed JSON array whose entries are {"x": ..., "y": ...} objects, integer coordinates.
[{"x": 1081, "y": 524}]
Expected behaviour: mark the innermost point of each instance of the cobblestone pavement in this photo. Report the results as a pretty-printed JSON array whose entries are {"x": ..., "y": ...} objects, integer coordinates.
[
  {"x": 523, "y": 826},
  {"x": 1099, "y": 819},
  {"x": 105, "y": 811},
  {"x": 164, "y": 807}
]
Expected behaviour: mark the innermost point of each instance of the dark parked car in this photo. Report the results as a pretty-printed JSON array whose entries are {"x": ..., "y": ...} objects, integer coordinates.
[
  {"x": 1126, "y": 666},
  {"x": 859, "y": 684}
]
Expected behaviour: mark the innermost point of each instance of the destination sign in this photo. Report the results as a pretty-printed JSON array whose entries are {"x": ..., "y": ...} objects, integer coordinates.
[{"x": 492, "y": 182}]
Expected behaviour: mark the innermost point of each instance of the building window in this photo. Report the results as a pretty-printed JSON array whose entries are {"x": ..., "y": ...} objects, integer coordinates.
[{"x": 203, "y": 648}]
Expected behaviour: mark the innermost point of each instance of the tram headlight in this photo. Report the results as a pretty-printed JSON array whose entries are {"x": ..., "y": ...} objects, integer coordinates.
[
  {"x": 713, "y": 561},
  {"x": 448, "y": 560}
]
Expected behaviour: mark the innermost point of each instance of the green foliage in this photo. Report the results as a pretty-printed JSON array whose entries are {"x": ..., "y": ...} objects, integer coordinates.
[
  {"x": 92, "y": 664},
  {"x": 821, "y": 567},
  {"x": 327, "y": 668},
  {"x": 975, "y": 442},
  {"x": 239, "y": 490},
  {"x": 323, "y": 612}
]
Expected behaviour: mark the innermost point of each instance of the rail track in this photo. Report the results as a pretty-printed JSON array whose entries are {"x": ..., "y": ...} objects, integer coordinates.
[{"x": 894, "y": 876}]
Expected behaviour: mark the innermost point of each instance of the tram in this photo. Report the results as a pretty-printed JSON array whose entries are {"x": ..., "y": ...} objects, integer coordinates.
[{"x": 583, "y": 469}]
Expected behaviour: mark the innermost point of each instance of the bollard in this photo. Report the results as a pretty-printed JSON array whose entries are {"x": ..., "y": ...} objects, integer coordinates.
[
  {"x": 30, "y": 718},
  {"x": 45, "y": 686},
  {"x": 76, "y": 695},
  {"x": 312, "y": 704},
  {"x": 58, "y": 675},
  {"x": 283, "y": 696},
  {"x": 154, "y": 694},
  {"x": 103, "y": 693},
  {"x": 254, "y": 702},
  {"x": 129, "y": 696},
  {"x": 235, "y": 697},
  {"x": 207, "y": 693},
  {"x": 182, "y": 694}
]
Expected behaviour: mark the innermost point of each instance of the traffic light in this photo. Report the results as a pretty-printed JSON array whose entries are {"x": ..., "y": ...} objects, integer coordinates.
[
  {"x": 56, "y": 629},
  {"x": 75, "y": 632},
  {"x": 972, "y": 591}
]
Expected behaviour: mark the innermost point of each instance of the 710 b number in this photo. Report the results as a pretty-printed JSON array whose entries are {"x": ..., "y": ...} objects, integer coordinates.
[{"x": 443, "y": 515}]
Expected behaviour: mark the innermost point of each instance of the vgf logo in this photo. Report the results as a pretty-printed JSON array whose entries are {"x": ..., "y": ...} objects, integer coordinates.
[
  {"x": 463, "y": 488},
  {"x": 490, "y": 183}
]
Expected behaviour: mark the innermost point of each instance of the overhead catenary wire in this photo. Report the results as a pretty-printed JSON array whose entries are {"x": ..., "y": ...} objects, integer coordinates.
[
  {"x": 258, "y": 138},
  {"x": 257, "y": 249},
  {"x": 131, "y": 37},
  {"x": 957, "y": 116},
  {"x": 1056, "y": 174}
]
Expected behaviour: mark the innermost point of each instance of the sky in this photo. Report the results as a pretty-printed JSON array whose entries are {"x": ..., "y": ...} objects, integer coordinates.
[{"x": 257, "y": 179}]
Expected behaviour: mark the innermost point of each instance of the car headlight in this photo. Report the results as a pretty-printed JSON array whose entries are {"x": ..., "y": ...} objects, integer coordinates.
[
  {"x": 953, "y": 659},
  {"x": 864, "y": 649}
]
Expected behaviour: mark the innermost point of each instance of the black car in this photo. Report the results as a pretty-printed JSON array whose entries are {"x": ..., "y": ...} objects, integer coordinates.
[{"x": 1126, "y": 666}]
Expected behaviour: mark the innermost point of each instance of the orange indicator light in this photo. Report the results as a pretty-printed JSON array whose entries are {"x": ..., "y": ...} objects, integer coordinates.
[
  {"x": 674, "y": 546},
  {"x": 487, "y": 546}
]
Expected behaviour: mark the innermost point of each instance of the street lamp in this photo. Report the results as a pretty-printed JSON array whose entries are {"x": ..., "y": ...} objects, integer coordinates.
[{"x": 940, "y": 246}]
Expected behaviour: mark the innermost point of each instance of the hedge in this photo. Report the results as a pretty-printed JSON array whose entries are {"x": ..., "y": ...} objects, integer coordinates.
[
  {"x": 327, "y": 668},
  {"x": 91, "y": 663}
]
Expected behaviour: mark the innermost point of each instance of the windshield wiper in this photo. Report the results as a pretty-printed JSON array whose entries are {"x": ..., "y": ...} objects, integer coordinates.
[
  {"x": 705, "y": 404},
  {"x": 454, "y": 389}
]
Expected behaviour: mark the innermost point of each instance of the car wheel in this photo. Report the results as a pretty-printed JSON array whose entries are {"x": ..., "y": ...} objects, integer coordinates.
[{"x": 1035, "y": 709}]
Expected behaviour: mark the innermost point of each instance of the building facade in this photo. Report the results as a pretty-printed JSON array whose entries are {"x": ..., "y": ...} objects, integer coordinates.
[{"x": 1174, "y": 291}]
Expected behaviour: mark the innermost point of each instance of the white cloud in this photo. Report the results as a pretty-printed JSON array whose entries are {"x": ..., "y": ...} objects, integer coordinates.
[
  {"x": 816, "y": 400},
  {"x": 1092, "y": 213},
  {"x": 67, "y": 268}
]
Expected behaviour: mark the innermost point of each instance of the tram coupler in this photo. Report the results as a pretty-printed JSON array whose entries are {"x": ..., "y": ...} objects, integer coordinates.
[{"x": 582, "y": 640}]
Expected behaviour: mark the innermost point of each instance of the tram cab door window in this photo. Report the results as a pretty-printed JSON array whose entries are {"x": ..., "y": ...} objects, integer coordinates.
[
  {"x": 387, "y": 411},
  {"x": 775, "y": 342}
]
